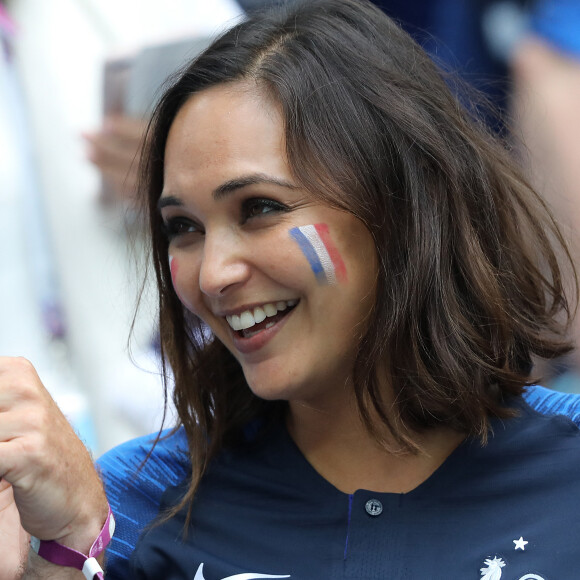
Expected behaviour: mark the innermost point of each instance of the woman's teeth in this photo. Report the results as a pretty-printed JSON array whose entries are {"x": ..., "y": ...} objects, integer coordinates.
[{"x": 249, "y": 318}]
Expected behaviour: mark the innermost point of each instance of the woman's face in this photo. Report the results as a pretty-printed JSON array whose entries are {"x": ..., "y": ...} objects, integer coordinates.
[{"x": 285, "y": 282}]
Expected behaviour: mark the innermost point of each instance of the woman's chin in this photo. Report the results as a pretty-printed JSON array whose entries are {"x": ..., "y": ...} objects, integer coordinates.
[{"x": 271, "y": 392}]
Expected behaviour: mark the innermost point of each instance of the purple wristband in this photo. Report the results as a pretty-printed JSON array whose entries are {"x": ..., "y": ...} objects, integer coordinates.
[{"x": 60, "y": 555}]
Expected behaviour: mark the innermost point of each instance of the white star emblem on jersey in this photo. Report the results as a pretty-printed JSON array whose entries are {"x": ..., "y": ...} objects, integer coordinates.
[{"x": 520, "y": 544}]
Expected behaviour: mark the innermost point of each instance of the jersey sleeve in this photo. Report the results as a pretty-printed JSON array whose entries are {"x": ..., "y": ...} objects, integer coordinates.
[
  {"x": 548, "y": 402},
  {"x": 134, "y": 488}
]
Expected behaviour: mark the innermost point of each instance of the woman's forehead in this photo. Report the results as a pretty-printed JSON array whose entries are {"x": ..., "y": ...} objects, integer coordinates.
[{"x": 223, "y": 133}]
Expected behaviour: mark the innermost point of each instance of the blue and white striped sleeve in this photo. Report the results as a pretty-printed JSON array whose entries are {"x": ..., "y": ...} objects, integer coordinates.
[{"x": 134, "y": 490}]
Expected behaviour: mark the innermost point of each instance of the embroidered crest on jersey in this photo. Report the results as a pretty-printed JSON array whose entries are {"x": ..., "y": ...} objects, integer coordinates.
[
  {"x": 492, "y": 571},
  {"x": 246, "y": 576}
]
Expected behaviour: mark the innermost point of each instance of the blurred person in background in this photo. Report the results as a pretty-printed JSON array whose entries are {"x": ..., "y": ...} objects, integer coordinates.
[
  {"x": 545, "y": 68},
  {"x": 525, "y": 55},
  {"x": 115, "y": 147}
]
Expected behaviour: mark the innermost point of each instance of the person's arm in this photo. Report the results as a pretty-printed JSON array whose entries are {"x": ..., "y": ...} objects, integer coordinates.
[
  {"x": 545, "y": 97},
  {"x": 55, "y": 487},
  {"x": 115, "y": 150},
  {"x": 13, "y": 538}
]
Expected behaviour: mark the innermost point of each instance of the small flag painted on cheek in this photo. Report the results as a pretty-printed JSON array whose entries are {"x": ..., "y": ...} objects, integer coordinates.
[
  {"x": 172, "y": 268},
  {"x": 323, "y": 256}
]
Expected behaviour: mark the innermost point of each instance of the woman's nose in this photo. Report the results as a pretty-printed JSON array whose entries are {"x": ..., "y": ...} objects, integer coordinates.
[{"x": 224, "y": 265}]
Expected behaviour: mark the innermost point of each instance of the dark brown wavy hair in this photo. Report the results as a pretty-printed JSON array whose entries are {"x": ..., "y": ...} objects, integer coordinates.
[{"x": 469, "y": 287}]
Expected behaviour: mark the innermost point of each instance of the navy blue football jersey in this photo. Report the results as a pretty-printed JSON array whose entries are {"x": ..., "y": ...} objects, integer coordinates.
[{"x": 509, "y": 510}]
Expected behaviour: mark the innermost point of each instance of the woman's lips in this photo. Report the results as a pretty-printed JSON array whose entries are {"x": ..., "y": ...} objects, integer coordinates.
[{"x": 254, "y": 338}]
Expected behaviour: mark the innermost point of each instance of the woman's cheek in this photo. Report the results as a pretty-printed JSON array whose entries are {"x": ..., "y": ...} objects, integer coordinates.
[{"x": 175, "y": 279}]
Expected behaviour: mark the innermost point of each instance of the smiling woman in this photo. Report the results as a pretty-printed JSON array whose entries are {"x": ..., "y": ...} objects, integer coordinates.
[
  {"x": 231, "y": 209},
  {"x": 354, "y": 280}
]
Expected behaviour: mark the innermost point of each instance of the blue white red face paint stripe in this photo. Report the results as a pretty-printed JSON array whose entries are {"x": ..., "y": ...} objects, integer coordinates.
[
  {"x": 172, "y": 268},
  {"x": 324, "y": 258}
]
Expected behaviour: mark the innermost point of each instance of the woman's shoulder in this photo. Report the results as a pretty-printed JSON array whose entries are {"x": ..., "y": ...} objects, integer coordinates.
[
  {"x": 136, "y": 475},
  {"x": 170, "y": 449}
]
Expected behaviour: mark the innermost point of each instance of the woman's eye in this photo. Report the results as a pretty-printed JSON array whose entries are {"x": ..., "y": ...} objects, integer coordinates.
[
  {"x": 175, "y": 227},
  {"x": 254, "y": 207}
]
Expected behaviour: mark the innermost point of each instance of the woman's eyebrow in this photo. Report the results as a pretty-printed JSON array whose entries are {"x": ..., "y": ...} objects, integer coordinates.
[
  {"x": 233, "y": 185},
  {"x": 229, "y": 187},
  {"x": 168, "y": 200}
]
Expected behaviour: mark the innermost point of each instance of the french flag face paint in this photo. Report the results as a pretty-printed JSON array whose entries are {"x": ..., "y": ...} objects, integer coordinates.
[
  {"x": 323, "y": 256},
  {"x": 172, "y": 268}
]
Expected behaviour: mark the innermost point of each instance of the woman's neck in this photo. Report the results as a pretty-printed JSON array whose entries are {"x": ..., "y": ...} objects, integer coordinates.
[{"x": 338, "y": 445}]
